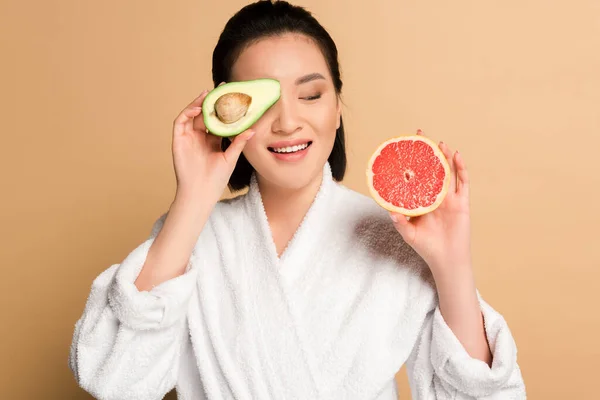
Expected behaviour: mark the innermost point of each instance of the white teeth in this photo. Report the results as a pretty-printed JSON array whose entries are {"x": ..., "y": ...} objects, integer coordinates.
[{"x": 291, "y": 149}]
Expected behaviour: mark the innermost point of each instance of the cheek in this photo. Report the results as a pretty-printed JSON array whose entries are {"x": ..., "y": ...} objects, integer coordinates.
[
  {"x": 251, "y": 148},
  {"x": 325, "y": 118},
  {"x": 255, "y": 148},
  {"x": 262, "y": 127}
]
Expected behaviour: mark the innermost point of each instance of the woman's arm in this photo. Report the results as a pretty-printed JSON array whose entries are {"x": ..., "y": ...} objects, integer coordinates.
[
  {"x": 465, "y": 349},
  {"x": 170, "y": 252},
  {"x": 202, "y": 171},
  {"x": 127, "y": 343},
  {"x": 128, "y": 340},
  {"x": 441, "y": 368},
  {"x": 460, "y": 309}
]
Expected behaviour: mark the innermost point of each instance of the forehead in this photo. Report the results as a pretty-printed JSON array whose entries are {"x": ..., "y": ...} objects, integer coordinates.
[{"x": 284, "y": 57}]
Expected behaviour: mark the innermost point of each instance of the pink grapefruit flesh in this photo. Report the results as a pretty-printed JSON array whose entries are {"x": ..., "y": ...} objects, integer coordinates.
[{"x": 408, "y": 175}]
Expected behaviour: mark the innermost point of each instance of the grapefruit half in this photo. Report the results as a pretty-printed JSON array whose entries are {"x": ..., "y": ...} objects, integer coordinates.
[{"x": 408, "y": 175}]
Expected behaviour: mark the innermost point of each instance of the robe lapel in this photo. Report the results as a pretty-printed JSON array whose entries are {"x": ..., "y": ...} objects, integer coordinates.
[
  {"x": 279, "y": 337},
  {"x": 295, "y": 261}
]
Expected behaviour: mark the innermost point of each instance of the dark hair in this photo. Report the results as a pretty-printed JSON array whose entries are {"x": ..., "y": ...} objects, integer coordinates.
[{"x": 270, "y": 18}]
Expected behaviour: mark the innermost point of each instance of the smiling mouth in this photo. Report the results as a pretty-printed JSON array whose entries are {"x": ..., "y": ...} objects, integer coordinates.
[{"x": 289, "y": 149}]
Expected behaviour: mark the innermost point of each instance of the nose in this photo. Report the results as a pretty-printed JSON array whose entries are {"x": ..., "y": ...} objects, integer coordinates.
[{"x": 287, "y": 120}]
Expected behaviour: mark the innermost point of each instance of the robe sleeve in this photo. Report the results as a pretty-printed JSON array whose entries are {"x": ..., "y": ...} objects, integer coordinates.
[
  {"x": 439, "y": 368},
  {"x": 127, "y": 343}
]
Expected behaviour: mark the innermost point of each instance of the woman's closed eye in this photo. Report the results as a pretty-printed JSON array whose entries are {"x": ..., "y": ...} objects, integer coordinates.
[{"x": 312, "y": 97}]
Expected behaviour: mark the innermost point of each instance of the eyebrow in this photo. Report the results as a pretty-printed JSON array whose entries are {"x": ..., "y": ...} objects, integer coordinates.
[{"x": 308, "y": 78}]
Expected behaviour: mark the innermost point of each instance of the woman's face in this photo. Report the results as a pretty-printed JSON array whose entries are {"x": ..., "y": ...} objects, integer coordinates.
[{"x": 307, "y": 113}]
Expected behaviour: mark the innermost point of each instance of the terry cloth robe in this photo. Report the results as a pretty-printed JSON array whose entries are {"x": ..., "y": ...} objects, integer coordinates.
[{"x": 336, "y": 317}]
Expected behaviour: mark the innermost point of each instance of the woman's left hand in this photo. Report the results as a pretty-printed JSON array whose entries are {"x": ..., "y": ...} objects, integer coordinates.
[{"x": 442, "y": 237}]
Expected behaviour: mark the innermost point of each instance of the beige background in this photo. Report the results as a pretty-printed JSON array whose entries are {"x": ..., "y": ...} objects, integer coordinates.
[{"x": 89, "y": 91}]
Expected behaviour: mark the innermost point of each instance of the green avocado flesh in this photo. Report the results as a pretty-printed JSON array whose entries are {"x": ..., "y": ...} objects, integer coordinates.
[{"x": 236, "y": 115}]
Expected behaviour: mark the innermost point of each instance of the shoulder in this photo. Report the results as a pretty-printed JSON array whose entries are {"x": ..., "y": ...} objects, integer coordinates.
[
  {"x": 367, "y": 222},
  {"x": 396, "y": 273},
  {"x": 230, "y": 207},
  {"x": 223, "y": 209},
  {"x": 370, "y": 227}
]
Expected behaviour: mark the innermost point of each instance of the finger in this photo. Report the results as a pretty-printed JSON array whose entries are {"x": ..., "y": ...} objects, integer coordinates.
[
  {"x": 237, "y": 145},
  {"x": 187, "y": 116},
  {"x": 463, "y": 175},
  {"x": 191, "y": 112},
  {"x": 198, "y": 100},
  {"x": 419, "y": 132},
  {"x": 184, "y": 116},
  {"x": 403, "y": 225},
  {"x": 197, "y": 124},
  {"x": 450, "y": 158},
  {"x": 447, "y": 152}
]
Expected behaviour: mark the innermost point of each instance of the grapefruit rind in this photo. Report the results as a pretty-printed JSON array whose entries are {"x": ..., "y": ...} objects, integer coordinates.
[{"x": 400, "y": 210}]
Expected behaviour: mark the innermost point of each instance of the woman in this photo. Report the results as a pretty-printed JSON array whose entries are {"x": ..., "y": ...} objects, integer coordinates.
[{"x": 300, "y": 288}]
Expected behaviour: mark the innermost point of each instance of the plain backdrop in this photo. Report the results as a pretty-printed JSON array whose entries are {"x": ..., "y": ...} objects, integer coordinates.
[{"x": 89, "y": 91}]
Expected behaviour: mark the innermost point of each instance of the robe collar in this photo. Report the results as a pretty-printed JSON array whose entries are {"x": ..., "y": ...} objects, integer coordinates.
[
  {"x": 311, "y": 225},
  {"x": 279, "y": 340}
]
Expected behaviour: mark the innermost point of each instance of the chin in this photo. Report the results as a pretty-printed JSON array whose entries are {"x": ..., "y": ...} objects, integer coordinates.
[
  {"x": 290, "y": 175},
  {"x": 293, "y": 177}
]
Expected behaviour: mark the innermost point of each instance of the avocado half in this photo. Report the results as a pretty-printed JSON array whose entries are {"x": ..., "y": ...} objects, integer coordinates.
[{"x": 232, "y": 108}]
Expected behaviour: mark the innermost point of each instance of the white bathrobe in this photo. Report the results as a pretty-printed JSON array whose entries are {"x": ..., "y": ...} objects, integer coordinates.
[{"x": 335, "y": 317}]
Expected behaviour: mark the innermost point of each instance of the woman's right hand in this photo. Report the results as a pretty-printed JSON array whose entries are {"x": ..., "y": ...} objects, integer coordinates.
[{"x": 201, "y": 167}]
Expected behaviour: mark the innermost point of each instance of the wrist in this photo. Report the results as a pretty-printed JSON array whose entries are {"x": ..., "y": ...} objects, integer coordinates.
[
  {"x": 190, "y": 208},
  {"x": 454, "y": 278},
  {"x": 196, "y": 197},
  {"x": 457, "y": 293},
  {"x": 451, "y": 268},
  {"x": 199, "y": 190}
]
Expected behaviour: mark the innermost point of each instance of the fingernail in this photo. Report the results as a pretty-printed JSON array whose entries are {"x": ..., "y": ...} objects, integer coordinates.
[
  {"x": 250, "y": 134},
  {"x": 394, "y": 217}
]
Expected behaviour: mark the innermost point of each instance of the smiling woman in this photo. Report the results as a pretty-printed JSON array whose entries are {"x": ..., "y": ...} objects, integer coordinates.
[{"x": 299, "y": 288}]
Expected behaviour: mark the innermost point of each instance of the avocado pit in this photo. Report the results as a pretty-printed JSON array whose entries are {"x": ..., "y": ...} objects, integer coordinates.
[{"x": 231, "y": 107}]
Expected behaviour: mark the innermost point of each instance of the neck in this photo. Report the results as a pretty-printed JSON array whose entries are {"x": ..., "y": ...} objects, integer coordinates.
[
  {"x": 286, "y": 208},
  {"x": 288, "y": 203}
]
